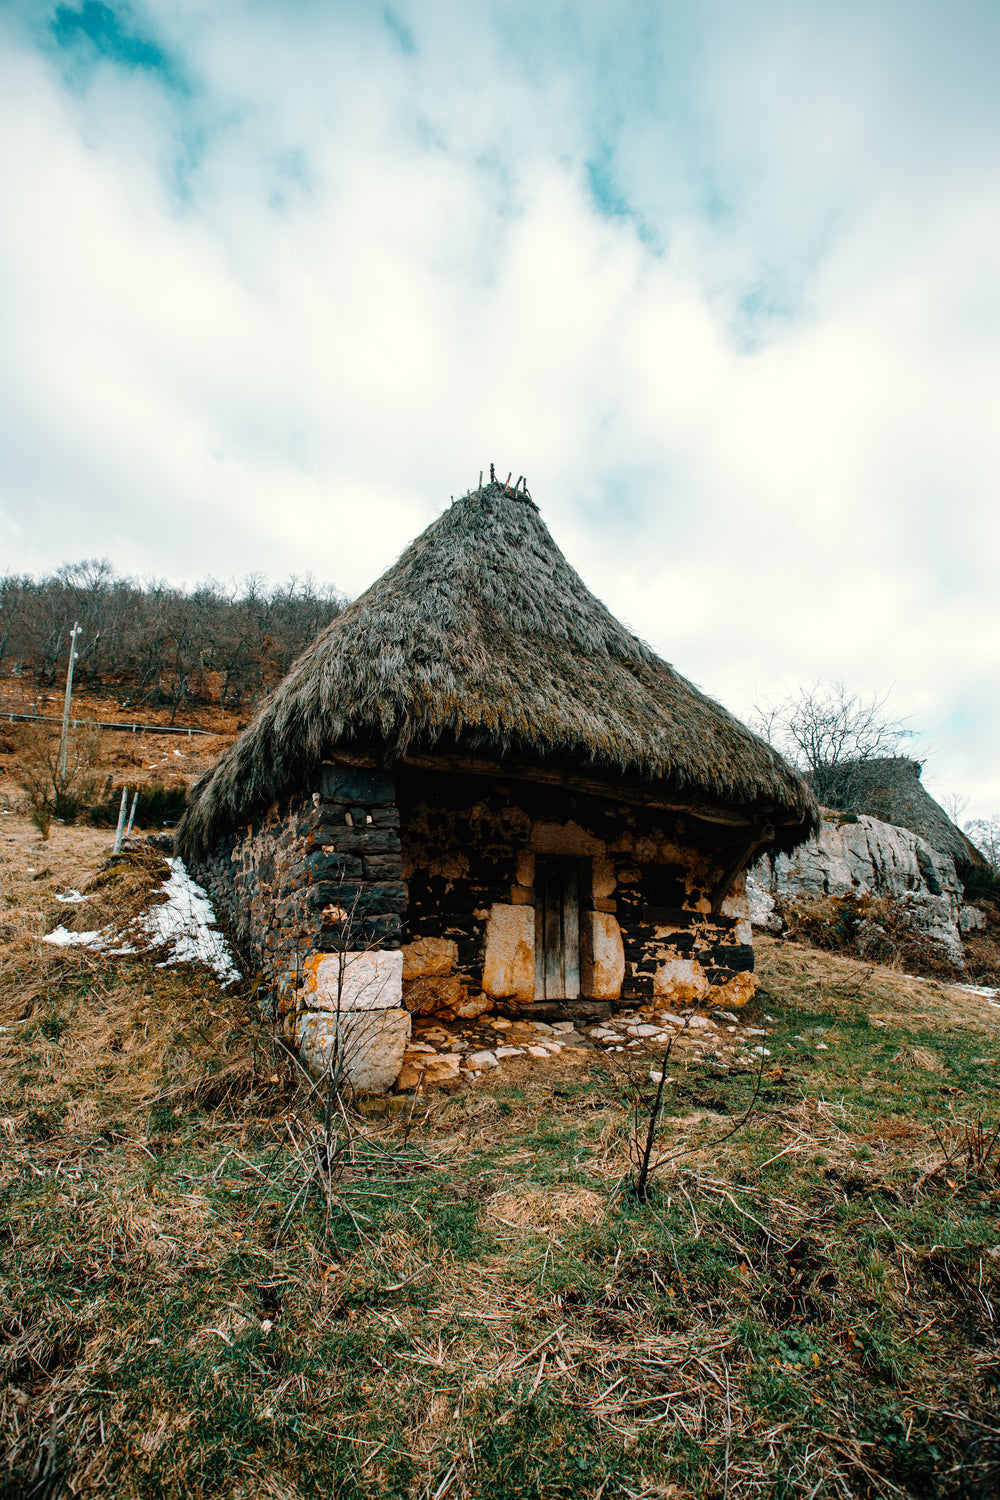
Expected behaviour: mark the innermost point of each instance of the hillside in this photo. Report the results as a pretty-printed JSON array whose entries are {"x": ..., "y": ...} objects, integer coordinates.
[{"x": 209, "y": 1288}]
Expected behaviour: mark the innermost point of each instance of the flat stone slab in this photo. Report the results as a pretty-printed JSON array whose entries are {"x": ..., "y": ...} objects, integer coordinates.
[
  {"x": 368, "y": 1046},
  {"x": 371, "y": 980}
]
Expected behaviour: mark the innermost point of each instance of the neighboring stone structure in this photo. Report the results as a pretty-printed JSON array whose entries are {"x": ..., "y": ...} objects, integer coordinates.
[
  {"x": 890, "y": 789},
  {"x": 857, "y": 854},
  {"x": 476, "y": 789}
]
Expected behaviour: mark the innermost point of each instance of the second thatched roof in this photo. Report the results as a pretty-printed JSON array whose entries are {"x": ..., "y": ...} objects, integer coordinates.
[
  {"x": 890, "y": 789},
  {"x": 482, "y": 639}
]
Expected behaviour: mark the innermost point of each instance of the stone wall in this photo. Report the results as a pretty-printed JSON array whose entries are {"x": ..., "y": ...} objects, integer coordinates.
[
  {"x": 316, "y": 876},
  {"x": 374, "y": 896},
  {"x": 469, "y": 850}
]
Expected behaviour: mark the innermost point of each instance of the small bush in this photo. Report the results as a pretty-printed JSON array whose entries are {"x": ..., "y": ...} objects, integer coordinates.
[
  {"x": 875, "y": 928},
  {"x": 55, "y": 789},
  {"x": 983, "y": 885}
]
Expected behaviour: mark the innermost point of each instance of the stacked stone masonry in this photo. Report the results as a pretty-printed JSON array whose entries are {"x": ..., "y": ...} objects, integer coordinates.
[{"x": 451, "y": 870}]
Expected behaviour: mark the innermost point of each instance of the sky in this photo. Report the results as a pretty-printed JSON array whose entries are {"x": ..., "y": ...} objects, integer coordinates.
[{"x": 280, "y": 277}]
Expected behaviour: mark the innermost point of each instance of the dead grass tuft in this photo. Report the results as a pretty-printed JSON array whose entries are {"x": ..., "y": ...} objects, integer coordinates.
[{"x": 543, "y": 1210}]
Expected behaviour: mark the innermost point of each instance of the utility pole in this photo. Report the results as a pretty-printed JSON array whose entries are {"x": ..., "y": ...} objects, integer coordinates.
[{"x": 63, "y": 743}]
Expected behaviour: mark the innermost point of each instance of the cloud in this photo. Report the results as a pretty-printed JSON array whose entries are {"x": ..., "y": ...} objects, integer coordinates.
[{"x": 723, "y": 280}]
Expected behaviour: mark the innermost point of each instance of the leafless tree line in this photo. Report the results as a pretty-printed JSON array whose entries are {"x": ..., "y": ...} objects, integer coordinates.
[{"x": 160, "y": 644}]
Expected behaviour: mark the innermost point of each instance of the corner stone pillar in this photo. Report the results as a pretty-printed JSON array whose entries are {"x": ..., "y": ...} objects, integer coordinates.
[{"x": 349, "y": 1012}]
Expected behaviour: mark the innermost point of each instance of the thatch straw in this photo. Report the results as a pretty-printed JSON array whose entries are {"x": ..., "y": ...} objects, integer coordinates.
[
  {"x": 483, "y": 638},
  {"x": 891, "y": 790}
]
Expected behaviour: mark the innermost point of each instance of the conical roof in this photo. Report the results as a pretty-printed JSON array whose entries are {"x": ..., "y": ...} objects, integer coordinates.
[{"x": 482, "y": 639}]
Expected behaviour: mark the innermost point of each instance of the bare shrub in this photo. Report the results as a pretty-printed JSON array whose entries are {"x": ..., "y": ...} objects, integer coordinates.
[
  {"x": 875, "y": 928},
  {"x": 55, "y": 790}
]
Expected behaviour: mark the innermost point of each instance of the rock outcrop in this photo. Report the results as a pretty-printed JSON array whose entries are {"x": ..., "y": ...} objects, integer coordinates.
[{"x": 850, "y": 856}]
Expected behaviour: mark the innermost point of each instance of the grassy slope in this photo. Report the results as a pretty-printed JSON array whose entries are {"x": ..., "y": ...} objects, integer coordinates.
[{"x": 470, "y": 1304}]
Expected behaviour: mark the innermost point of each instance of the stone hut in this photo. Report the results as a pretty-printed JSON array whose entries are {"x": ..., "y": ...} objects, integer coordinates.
[{"x": 477, "y": 788}]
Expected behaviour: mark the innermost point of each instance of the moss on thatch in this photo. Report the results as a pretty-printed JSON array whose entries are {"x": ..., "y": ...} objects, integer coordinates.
[
  {"x": 482, "y": 639},
  {"x": 891, "y": 790}
]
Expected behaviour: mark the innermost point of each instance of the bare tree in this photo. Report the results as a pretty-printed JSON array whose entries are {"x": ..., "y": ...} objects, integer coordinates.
[
  {"x": 827, "y": 729},
  {"x": 954, "y": 805},
  {"x": 985, "y": 834}
]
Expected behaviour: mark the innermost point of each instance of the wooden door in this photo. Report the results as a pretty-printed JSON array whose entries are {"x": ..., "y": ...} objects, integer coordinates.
[{"x": 557, "y": 928}]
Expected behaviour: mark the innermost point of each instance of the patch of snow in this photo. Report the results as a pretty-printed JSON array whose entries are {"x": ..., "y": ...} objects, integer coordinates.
[
  {"x": 185, "y": 922},
  {"x": 71, "y": 897},
  {"x": 63, "y": 938}
]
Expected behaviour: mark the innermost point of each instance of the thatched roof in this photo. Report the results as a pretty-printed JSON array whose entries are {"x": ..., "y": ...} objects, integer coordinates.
[
  {"x": 482, "y": 639},
  {"x": 891, "y": 790}
]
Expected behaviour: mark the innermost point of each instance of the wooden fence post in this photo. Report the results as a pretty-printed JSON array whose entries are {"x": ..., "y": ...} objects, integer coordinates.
[
  {"x": 121, "y": 822},
  {"x": 64, "y": 740}
]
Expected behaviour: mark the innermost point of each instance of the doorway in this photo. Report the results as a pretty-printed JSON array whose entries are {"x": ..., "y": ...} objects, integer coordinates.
[{"x": 559, "y": 881}]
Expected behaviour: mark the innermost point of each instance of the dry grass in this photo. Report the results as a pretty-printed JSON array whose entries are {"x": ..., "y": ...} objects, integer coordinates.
[
  {"x": 813, "y": 978},
  {"x": 473, "y": 1304}
]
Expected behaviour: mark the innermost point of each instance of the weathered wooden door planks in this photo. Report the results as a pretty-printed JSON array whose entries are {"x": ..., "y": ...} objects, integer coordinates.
[{"x": 557, "y": 928}]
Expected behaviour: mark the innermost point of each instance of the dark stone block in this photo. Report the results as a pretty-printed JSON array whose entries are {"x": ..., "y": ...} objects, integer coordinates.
[
  {"x": 346, "y": 894},
  {"x": 358, "y": 840},
  {"x": 384, "y": 896},
  {"x": 360, "y": 899},
  {"x": 385, "y": 817},
  {"x": 671, "y": 916},
  {"x": 353, "y": 785},
  {"x": 387, "y": 930},
  {"x": 736, "y": 957},
  {"x": 382, "y": 866},
  {"x": 682, "y": 942},
  {"x": 334, "y": 866},
  {"x": 589, "y": 1010}
]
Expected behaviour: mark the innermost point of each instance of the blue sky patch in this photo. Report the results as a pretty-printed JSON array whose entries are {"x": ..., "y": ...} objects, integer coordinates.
[
  {"x": 404, "y": 36},
  {"x": 609, "y": 199},
  {"x": 101, "y": 31}
]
